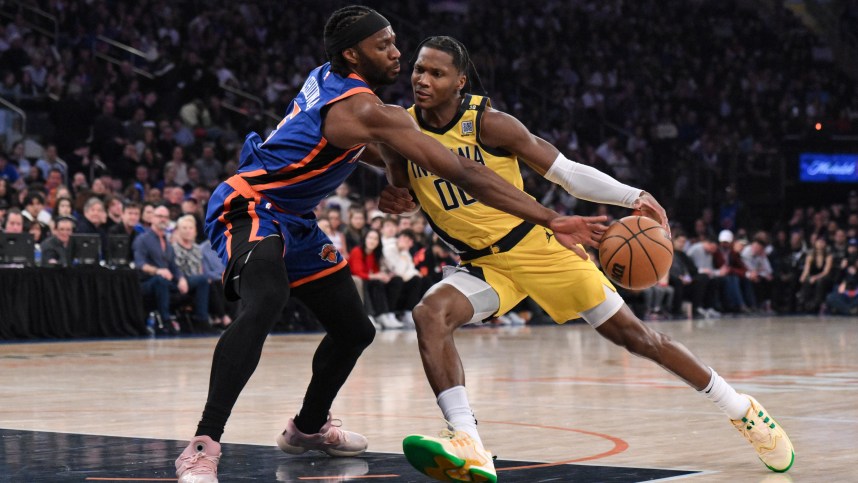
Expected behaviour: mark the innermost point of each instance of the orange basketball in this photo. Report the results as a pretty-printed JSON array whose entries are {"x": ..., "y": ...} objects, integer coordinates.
[{"x": 636, "y": 252}]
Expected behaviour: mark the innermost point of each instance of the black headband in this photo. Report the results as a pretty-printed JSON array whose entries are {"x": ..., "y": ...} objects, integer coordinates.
[{"x": 367, "y": 25}]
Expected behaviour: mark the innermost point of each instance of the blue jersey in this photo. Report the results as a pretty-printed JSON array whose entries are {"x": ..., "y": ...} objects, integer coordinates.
[{"x": 296, "y": 166}]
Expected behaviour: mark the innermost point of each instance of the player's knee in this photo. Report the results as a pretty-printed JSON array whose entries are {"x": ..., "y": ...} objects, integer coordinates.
[
  {"x": 364, "y": 334},
  {"x": 429, "y": 316}
]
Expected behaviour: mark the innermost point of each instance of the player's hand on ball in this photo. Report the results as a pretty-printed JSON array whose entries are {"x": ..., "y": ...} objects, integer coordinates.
[
  {"x": 649, "y": 207},
  {"x": 396, "y": 201},
  {"x": 573, "y": 231}
]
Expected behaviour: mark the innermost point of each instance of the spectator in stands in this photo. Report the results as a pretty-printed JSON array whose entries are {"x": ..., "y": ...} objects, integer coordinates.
[
  {"x": 189, "y": 258},
  {"x": 365, "y": 264},
  {"x": 8, "y": 172},
  {"x": 94, "y": 219},
  {"x": 356, "y": 228},
  {"x": 155, "y": 259},
  {"x": 760, "y": 273},
  {"x": 738, "y": 295},
  {"x": 688, "y": 284},
  {"x": 221, "y": 310},
  {"x": 129, "y": 225},
  {"x": 658, "y": 300},
  {"x": 702, "y": 253},
  {"x": 50, "y": 160},
  {"x": 14, "y": 221},
  {"x": 788, "y": 266},
  {"x": 814, "y": 278},
  {"x": 209, "y": 167},
  {"x": 341, "y": 199},
  {"x": 63, "y": 208},
  {"x": 843, "y": 300},
  {"x": 34, "y": 209},
  {"x": 55, "y": 250},
  {"x": 179, "y": 164},
  {"x": 114, "y": 206},
  {"x": 407, "y": 286}
]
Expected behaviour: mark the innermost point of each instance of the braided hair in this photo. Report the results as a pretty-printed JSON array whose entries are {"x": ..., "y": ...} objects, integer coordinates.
[
  {"x": 461, "y": 59},
  {"x": 338, "y": 21}
]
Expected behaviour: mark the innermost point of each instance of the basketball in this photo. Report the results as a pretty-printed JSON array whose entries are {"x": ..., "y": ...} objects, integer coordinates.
[{"x": 636, "y": 252}]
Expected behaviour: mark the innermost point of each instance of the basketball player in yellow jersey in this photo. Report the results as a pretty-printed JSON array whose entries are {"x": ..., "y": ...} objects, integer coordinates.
[{"x": 505, "y": 259}]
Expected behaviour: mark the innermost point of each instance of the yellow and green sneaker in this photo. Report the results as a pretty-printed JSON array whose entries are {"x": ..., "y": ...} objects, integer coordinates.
[
  {"x": 767, "y": 436},
  {"x": 454, "y": 456}
]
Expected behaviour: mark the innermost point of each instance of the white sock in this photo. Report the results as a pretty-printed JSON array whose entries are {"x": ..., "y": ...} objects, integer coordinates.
[
  {"x": 725, "y": 397},
  {"x": 457, "y": 411}
]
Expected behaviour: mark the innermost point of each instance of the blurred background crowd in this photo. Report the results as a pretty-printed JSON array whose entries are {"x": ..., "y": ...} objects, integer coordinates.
[{"x": 121, "y": 117}]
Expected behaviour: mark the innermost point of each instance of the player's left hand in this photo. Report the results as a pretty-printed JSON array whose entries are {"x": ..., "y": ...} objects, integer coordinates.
[
  {"x": 396, "y": 201},
  {"x": 574, "y": 231},
  {"x": 647, "y": 205}
]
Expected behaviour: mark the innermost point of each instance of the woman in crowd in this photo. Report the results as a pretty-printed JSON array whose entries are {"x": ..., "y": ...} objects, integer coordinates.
[
  {"x": 365, "y": 264},
  {"x": 814, "y": 277}
]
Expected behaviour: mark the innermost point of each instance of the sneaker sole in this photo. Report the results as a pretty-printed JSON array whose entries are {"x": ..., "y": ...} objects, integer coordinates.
[{"x": 431, "y": 459}]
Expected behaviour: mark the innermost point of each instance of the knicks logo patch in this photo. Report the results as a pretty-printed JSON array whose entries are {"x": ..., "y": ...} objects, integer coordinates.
[
  {"x": 328, "y": 253},
  {"x": 467, "y": 128}
]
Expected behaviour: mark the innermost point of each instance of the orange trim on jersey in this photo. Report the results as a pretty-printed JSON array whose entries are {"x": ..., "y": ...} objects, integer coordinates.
[
  {"x": 222, "y": 219},
  {"x": 319, "y": 275},
  {"x": 309, "y": 174},
  {"x": 257, "y": 172},
  {"x": 351, "y": 92},
  {"x": 241, "y": 186},
  {"x": 309, "y": 157},
  {"x": 356, "y": 76},
  {"x": 254, "y": 222}
]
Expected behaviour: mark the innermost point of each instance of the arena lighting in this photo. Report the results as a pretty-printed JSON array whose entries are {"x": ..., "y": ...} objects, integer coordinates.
[{"x": 818, "y": 126}]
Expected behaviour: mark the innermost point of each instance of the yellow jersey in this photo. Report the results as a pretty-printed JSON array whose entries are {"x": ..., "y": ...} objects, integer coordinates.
[{"x": 456, "y": 217}]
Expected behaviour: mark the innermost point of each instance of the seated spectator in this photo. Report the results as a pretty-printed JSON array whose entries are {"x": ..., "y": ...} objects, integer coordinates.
[
  {"x": 94, "y": 218},
  {"x": 55, "y": 250},
  {"x": 189, "y": 258},
  {"x": 397, "y": 260},
  {"x": 688, "y": 283},
  {"x": 760, "y": 273},
  {"x": 844, "y": 299},
  {"x": 814, "y": 277},
  {"x": 129, "y": 226},
  {"x": 365, "y": 264},
  {"x": 738, "y": 295},
  {"x": 221, "y": 309},
  {"x": 658, "y": 300},
  {"x": 114, "y": 205},
  {"x": 63, "y": 208},
  {"x": 34, "y": 209},
  {"x": 356, "y": 227},
  {"x": 14, "y": 221},
  {"x": 789, "y": 264},
  {"x": 156, "y": 261},
  {"x": 702, "y": 253}
]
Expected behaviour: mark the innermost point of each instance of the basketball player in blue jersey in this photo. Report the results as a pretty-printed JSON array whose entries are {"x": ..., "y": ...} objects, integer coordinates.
[
  {"x": 505, "y": 260},
  {"x": 261, "y": 223}
]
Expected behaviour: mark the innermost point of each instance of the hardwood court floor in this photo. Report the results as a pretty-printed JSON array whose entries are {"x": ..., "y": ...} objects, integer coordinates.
[{"x": 541, "y": 394}]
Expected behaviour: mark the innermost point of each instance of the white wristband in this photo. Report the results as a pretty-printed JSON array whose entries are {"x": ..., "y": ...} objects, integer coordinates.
[{"x": 588, "y": 183}]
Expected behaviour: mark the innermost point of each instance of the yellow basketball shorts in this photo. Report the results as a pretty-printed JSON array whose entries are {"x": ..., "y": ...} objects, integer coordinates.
[{"x": 560, "y": 281}]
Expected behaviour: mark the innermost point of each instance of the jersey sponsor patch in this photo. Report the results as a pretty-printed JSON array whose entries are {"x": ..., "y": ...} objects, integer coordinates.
[
  {"x": 467, "y": 128},
  {"x": 328, "y": 253}
]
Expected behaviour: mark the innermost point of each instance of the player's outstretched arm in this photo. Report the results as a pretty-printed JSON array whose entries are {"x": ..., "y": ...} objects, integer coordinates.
[
  {"x": 371, "y": 121},
  {"x": 585, "y": 182}
]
